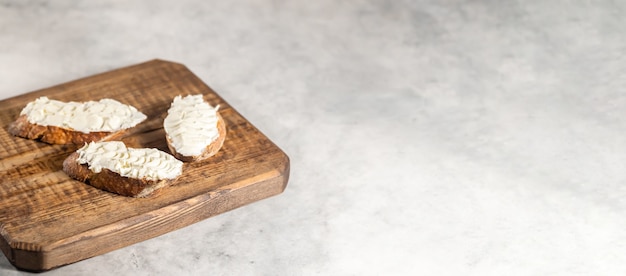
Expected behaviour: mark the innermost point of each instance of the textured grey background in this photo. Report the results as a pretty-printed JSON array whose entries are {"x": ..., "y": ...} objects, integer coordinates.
[{"x": 426, "y": 137}]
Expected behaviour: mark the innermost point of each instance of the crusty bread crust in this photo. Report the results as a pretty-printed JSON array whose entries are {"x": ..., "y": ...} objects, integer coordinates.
[
  {"x": 209, "y": 151},
  {"x": 111, "y": 181},
  {"x": 56, "y": 135}
]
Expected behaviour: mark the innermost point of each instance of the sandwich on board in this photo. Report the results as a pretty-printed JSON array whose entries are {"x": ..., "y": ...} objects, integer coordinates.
[{"x": 194, "y": 131}]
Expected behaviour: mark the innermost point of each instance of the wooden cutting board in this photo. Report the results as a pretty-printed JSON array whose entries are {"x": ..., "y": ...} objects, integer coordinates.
[{"x": 48, "y": 220}]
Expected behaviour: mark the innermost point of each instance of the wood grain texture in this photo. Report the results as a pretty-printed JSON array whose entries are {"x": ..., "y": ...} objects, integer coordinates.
[{"x": 48, "y": 220}]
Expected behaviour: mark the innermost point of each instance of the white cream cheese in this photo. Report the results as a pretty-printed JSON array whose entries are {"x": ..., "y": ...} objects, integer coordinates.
[
  {"x": 104, "y": 115},
  {"x": 141, "y": 163},
  {"x": 191, "y": 124}
]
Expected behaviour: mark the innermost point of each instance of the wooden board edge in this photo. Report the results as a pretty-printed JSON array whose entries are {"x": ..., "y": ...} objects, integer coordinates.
[
  {"x": 103, "y": 239},
  {"x": 5, "y": 247}
]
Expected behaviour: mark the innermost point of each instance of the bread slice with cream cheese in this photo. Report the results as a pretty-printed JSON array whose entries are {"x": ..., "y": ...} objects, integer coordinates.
[
  {"x": 194, "y": 129},
  {"x": 57, "y": 122},
  {"x": 113, "y": 167}
]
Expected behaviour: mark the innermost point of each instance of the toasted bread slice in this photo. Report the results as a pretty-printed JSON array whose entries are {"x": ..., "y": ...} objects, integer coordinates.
[
  {"x": 57, "y": 122},
  {"x": 58, "y": 135},
  {"x": 194, "y": 129},
  {"x": 133, "y": 172}
]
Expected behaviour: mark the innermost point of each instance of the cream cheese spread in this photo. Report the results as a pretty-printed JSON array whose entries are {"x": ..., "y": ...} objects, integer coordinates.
[
  {"x": 140, "y": 163},
  {"x": 191, "y": 124},
  {"x": 93, "y": 116}
]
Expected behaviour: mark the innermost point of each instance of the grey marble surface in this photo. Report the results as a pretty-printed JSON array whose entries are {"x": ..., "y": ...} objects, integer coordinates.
[{"x": 426, "y": 137}]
